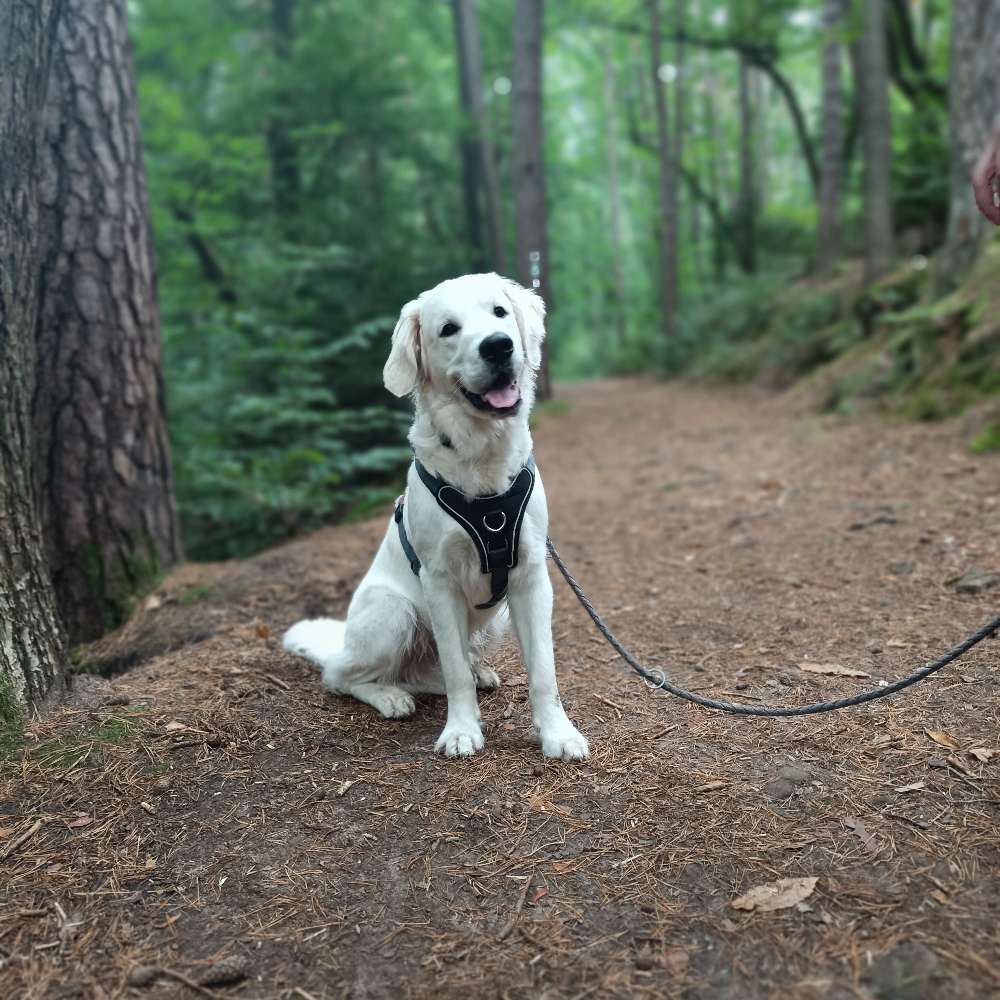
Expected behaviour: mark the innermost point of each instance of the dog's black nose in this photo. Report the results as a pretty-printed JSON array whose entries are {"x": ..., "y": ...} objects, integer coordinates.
[{"x": 496, "y": 348}]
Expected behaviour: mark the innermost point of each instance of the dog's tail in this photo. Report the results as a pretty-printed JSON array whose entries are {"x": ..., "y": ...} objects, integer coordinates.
[{"x": 316, "y": 639}]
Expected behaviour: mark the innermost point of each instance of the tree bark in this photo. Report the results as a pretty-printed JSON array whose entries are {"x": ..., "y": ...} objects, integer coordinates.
[
  {"x": 747, "y": 209},
  {"x": 102, "y": 452},
  {"x": 876, "y": 128},
  {"x": 614, "y": 197},
  {"x": 468, "y": 152},
  {"x": 528, "y": 166},
  {"x": 974, "y": 99},
  {"x": 286, "y": 171},
  {"x": 831, "y": 183},
  {"x": 470, "y": 63},
  {"x": 677, "y": 148},
  {"x": 31, "y": 643},
  {"x": 668, "y": 182}
]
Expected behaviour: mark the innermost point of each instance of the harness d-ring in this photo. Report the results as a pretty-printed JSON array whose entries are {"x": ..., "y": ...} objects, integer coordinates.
[{"x": 500, "y": 526}]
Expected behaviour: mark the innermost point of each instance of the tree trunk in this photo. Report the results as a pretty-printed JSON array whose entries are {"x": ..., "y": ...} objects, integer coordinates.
[
  {"x": 102, "y": 452},
  {"x": 668, "y": 182},
  {"x": 470, "y": 62},
  {"x": 716, "y": 173},
  {"x": 876, "y": 128},
  {"x": 286, "y": 176},
  {"x": 747, "y": 212},
  {"x": 468, "y": 151},
  {"x": 31, "y": 645},
  {"x": 528, "y": 166},
  {"x": 677, "y": 151},
  {"x": 831, "y": 183},
  {"x": 614, "y": 197},
  {"x": 974, "y": 98}
]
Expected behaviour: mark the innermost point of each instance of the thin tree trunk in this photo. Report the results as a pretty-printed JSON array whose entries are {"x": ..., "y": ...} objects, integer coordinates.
[
  {"x": 832, "y": 164},
  {"x": 747, "y": 211},
  {"x": 716, "y": 173},
  {"x": 677, "y": 150},
  {"x": 286, "y": 177},
  {"x": 31, "y": 643},
  {"x": 759, "y": 97},
  {"x": 468, "y": 149},
  {"x": 614, "y": 196},
  {"x": 974, "y": 99},
  {"x": 470, "y": 63},
  {"x": 668, "y": 182},
  {"x": 876, "y": 129},
  {"x": 528, "y": 167},
  {"x": 102, "y": 451}
]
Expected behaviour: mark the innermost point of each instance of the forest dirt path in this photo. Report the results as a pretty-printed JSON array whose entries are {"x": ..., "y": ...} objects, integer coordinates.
[{"x": 213, "y": 803}]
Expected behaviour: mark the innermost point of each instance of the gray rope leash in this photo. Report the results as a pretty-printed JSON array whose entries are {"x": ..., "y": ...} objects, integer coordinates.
[{"x": 657, "y": 679}]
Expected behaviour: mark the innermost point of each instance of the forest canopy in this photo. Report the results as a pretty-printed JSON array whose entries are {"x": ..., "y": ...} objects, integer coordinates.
[{"x": 312, "y": 166}]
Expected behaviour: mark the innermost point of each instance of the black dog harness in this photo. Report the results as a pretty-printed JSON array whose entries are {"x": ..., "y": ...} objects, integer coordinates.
[{"x": 492, "y": 522}]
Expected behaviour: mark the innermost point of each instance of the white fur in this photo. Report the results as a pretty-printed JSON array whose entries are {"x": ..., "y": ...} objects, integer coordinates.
[{"x": 406, "y": 634}]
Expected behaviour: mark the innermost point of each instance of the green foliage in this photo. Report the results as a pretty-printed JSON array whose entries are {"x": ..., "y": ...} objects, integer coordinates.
[
  {"x": 304, "y": 187},
  {"x": 988, "y": 439}
]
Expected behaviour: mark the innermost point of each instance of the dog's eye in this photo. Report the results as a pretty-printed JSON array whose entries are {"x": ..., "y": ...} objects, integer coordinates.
[
  {"x": 499, "y": 312},
  {"x": 449, "y": 330}
]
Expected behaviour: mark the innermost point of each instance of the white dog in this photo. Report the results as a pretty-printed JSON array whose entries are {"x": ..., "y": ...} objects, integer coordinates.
[{"x": 469, "y": 351}]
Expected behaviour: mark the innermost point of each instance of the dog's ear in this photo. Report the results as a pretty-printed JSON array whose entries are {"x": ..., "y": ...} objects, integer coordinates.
[
  {"x": 402, "y": 370},
  {"x": 529, "y": 312}
]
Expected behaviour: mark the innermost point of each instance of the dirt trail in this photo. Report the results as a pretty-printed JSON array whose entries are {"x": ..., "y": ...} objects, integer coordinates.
[{"x": 229, "y": 808}]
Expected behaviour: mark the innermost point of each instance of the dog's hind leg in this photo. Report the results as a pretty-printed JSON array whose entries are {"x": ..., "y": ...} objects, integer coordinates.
[{"x": 380, "y": 634}]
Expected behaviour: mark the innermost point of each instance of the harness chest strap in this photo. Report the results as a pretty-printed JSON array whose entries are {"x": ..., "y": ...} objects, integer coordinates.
[{"x": 492, "y": 522}]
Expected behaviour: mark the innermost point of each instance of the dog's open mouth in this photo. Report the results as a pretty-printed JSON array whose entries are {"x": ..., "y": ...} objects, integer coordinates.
[{"x": 502, "y": 400}]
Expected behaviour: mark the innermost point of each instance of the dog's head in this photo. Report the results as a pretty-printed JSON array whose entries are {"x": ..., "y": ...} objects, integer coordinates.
[{"x": 478, "y": 337}]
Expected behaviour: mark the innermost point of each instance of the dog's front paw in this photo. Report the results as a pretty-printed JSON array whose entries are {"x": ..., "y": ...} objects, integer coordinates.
[
  {"x": 486, "y": 679},
  {"x": 459, "y": 741},
  {"x": 564, "y": 742}
]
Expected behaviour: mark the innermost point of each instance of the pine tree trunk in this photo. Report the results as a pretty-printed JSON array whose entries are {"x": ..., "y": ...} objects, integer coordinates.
[
  {"x": 974, "y": 106},
  {"x": 470, "y": 61},
  {"x": 467, "y": 148},
  {"x": 286, "y": 172},
  {"x": 101, "y": 446},
  {"x": 716, "y": 173},
  {"x": 31, "y": 646},
  {"x": 747, "y": 213},
  {"x": 668, "y": 182},
  {"x": 876, "y": 129},
  {"x": 831, "y": 182},
  {"x": 528, "y": 167},
  {"x": 677, "y": 151},
  {"x": 614, "y": 197}
]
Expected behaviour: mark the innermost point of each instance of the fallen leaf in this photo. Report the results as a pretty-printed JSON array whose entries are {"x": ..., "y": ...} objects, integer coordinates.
[
  {"x": 153, "y": 602},
  {"x": 539, "y": 894},
  {"x": 778, "y": 895},
  {"x": 174, "y": 727},
  {"x": 263, "y": 632},
  {"x": 943, "y": 739},
  {"x": 982, "y": 754},
  {"x": 344, "y": 787},
  {"x": 915, "y": 787},
  {"x": 82, "y": 819},
  {"x": 896, "y": 644},
  {"x": 862, "y": 833},
  {"x": 832, "y": 668},
  {"x": 711, "y": 786}
]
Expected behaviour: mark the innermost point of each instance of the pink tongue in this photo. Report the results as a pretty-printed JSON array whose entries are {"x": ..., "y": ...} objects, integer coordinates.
[{"x": 503, "y": 398}]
